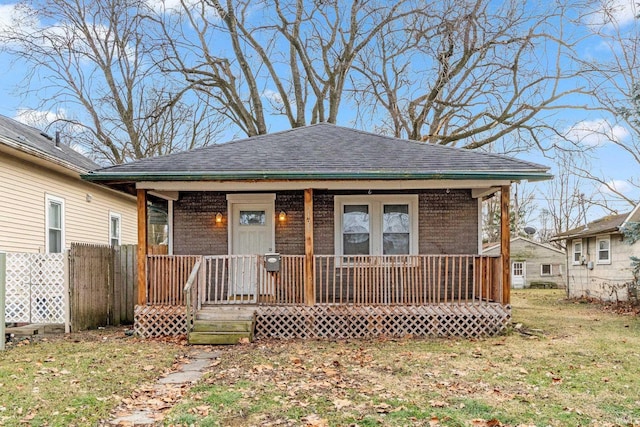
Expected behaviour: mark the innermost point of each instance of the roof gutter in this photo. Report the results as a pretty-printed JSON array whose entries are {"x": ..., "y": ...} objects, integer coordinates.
[
  {"x": 22, "y": 148},
  {"x": 295, "y": 175}
]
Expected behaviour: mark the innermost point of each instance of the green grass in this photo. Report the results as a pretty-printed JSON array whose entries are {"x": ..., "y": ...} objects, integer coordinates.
[
  {"x": 560, "y": 363},
  {"x": 566, "y": 364},
  {"x": 76, "y": 379}
]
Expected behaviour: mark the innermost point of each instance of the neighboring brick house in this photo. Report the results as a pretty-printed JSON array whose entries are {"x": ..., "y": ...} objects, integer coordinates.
[
  {"x": 599, "y": 264},
  {"x": 534, "y": 264},
  {"x": 358, "y": 219},
  {"x": 46, "y": 205}
]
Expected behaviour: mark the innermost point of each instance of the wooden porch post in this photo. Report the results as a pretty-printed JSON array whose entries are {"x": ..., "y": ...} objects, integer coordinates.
[
  {"x": 309, "y": 274},
  {"x": 142, "y": 247},
  {"x": 505, "y": 243}
]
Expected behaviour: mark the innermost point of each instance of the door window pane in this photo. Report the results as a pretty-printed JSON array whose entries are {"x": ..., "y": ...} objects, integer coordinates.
[
  {"x": 355, "y": 236},
  {"x": 518, "y": 269},
  {"x": 253, "y": 218},
  {"x": 395, "y": 233}
]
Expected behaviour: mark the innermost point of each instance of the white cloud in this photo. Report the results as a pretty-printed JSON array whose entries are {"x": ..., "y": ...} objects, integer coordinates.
[
  {"x": 13, "y": 18},
  {"x": 613, "y": 13},
  {"x": 617, "y": 185},
  {"x": 595, "y": 133},
  {"x": 37, "y": 118},
  {"x": 272, "y": 96},
  {"x": 175, "y": 6}
]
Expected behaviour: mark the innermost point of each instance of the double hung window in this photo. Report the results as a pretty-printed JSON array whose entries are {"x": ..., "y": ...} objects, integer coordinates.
[{"x": 376, "y": 225}]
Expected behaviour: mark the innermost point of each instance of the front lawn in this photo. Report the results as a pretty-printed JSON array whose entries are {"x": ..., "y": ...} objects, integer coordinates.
[
  {"x": 76, "y": 379},
  {"x": 560, "y": 364}
]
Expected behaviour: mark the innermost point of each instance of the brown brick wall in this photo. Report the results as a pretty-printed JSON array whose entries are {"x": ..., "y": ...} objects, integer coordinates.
[
  {"x": 195, "y": 231},
  {"x": 290, "y": 233},
  {"x": 448, "y": 222}
]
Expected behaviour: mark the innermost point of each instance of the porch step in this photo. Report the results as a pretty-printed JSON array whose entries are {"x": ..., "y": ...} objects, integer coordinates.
[
  {"x": 217, "y": 338},
  {"x": 222, "y": 325}
]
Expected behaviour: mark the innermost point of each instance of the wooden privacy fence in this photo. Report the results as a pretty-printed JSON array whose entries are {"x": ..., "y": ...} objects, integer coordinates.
[{"x": 102, "y": 282}]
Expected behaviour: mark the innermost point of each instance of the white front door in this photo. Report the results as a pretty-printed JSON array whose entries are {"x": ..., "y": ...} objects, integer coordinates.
[
  {"x": 518, "y": 274},
  {"x": 252, "y": 234}
]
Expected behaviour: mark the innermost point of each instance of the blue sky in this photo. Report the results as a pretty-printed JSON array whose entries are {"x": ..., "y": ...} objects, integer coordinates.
[{"x": 607, "y": 159}]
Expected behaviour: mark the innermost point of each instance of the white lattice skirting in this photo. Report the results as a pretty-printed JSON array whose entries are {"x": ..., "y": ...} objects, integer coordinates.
[
  {"x": 160, "y": 320},
  {"x": 323, "y": 321},
  {"x": 35, "y": 288},
  {"x": 442, "y": 320}
]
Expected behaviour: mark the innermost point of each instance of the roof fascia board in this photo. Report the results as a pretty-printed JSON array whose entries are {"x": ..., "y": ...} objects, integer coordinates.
[
  {"x": 630, "y": 217},
  {"x": 536, "y": 175},
  {"x": 25, "y": 152},
  {"x": 301, "y": 185}
]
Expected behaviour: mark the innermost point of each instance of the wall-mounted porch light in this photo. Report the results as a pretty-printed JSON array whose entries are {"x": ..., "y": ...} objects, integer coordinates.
[
  {"x": 219, "y": 218},
  {"x": 282, "y": 216}
]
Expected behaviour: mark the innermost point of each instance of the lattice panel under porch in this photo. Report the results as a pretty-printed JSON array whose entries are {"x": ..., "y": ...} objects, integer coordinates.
[
  {"x": 160, "y": 320},
  {"x": 35, "y": 288},
  {"x": 323, "y": 321}
]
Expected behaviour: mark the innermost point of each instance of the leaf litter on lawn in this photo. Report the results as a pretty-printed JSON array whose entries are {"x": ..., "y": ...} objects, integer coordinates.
[{"x": 508, "y": 380}]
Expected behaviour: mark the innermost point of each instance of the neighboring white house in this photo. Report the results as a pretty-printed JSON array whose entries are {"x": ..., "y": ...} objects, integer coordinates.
[
  {"x": 599, "y": 264},
  {"x": 533, "y": 263},
  {"x": 45, "y": 205}
]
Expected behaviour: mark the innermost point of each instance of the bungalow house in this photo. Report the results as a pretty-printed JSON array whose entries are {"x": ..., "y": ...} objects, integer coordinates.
[
  {"x": 321, "y": 231},
  {"x": 599, "y": 264},
  {"x": 46, "y": 205},
  {"x": 533, "y": 264}
]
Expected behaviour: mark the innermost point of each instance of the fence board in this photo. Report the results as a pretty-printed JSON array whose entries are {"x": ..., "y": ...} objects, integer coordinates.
[{"x": 102, "y": 285}]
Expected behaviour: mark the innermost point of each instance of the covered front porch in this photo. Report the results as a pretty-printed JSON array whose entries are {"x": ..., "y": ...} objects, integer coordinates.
[
  {"x": 325, "y": 296},
  {"x": 349, "y": 297}
]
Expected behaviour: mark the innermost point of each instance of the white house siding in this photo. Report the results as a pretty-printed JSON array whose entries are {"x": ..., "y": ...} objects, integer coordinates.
[
  {"x": 534, "y": 255},
  {"x": 608, "y": 282},
  {"x": 25, "y": 187}
]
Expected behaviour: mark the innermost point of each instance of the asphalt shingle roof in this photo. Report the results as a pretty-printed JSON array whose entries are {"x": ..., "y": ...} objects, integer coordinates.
[
  {"x": 326, "y": 148},
  {"x": 606, "y": 224},
  {"x": 29, "y": 139}
]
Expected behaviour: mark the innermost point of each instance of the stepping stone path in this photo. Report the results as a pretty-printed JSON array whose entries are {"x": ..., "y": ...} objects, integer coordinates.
[{"x": 150, "y": 403}]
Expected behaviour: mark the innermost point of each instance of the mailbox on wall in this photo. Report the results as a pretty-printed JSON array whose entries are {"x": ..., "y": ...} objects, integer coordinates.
[{"x": 272, "y": 261}]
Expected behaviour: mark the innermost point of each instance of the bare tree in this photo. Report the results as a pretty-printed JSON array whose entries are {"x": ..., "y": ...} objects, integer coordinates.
[
  {"x": 614, "y": 72},
  {"x": 522, "y": 206},
  {"x": 466, "y": 73},
  {"x": 471, "y": 73},
  {"x": 293, "y": 61},
  {"x": 93, "y": 57},
  {"x": 566, "y": 201}
]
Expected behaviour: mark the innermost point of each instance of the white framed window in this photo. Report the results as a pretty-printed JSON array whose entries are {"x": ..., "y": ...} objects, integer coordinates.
[
  {"x": 546, "y": 270},
  {"x": 115, "y": 228},
  {"x": 603, "y": 247},
  {"x": 54, "y": 224},
  {"x": 376, "y": 225},
  {"x": 577, "y": 252}
]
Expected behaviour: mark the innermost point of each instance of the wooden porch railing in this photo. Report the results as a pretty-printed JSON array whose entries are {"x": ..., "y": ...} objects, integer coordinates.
[
  {"x": 406, "y": 279},
  {"x": 242, "y": 279},
  {"x": 361, "y": 280},
  {"x": 167, "y": 276}
]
